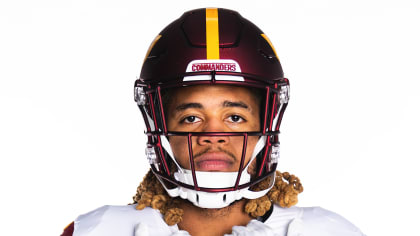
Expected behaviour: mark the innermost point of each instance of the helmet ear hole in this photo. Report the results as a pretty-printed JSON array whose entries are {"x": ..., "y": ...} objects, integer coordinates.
[
  {"x": 224, "y": 197},
  {"x": 197, "y": 198}
]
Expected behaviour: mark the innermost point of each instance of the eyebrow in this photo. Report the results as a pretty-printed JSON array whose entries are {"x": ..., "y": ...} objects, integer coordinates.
[
  {"x": 235, "y": 104},
  {"x": 185, "y": 106}
]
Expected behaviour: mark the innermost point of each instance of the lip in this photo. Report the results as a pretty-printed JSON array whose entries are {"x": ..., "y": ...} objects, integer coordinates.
[{"x": 214, "y": 161}]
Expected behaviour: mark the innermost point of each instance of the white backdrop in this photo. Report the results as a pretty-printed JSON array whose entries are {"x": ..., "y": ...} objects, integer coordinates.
[{"x": 71, "y": 136}]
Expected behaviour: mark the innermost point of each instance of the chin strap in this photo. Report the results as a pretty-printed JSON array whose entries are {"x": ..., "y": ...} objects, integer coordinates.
[{"x": 215, "y": 200}]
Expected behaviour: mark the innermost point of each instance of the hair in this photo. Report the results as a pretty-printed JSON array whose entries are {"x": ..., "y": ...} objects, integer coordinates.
[{"x": 150, "y": 193}]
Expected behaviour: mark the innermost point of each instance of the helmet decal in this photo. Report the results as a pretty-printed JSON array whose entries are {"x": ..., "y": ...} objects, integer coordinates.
[{"x": 213, "y": 65}]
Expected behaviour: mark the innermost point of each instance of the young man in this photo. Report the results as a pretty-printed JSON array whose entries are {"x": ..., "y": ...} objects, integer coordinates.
[{"x": 212, "y": 95}]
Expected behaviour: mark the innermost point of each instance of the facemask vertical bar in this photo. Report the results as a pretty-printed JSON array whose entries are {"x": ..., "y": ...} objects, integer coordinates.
[
  {"x": 152, "y": 107},
  {"x": 241, "y": 165},
  {"x": 146, "y": 121},
  {"x": 266, "y": 109},
  {"x": 161, "y": 110},
  {"x": 158, "y": 144},
  {"x": 282, "y": 109},
  {"x": 162, "y": 156},
  {"x": 276, "y": 116},
  {"x": 267, "y": 145},
  {"x": 190, "y": 152},
  {"x": 273, "y": 108}
]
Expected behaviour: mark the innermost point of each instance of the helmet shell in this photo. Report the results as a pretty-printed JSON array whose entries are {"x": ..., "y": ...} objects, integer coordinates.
[{"x": 184, "y": 40}]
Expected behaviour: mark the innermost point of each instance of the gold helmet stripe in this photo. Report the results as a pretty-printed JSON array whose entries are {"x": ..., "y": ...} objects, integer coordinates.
[
  {"x": 212, "y": 33},
  {"x": 151, "y": 46},
  {"x": 269, "y": 42}
]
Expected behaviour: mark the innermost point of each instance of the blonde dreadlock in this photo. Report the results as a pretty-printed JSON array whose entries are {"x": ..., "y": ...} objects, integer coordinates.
[{"x": 284, "y": 193}]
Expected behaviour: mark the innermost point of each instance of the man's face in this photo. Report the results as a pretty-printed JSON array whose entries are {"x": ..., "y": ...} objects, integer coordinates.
[{"x": 213, "y": 108}]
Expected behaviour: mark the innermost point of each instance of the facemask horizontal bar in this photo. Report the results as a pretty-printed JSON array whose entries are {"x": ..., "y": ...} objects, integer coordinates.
[
  {"x": 268, "y": 133},
  {"x": 215, "y": 190}
]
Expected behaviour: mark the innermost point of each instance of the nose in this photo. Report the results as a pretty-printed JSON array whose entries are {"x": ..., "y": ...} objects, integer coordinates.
[
  {"x": 213, "y": 126},
  {"x": 206, "y": 140}
]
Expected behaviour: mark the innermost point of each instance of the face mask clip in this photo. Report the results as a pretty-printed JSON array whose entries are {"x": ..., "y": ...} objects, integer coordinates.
[
  {"x": 151, "y": 155},
  {"x": 284, "y": 94},
  {"x": 275, "y": 153},
  {"x": 140, "y": 96}
]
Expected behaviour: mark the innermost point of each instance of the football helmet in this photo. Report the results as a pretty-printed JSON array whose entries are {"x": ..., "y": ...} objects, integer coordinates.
[{"x": 211, "y": 46}]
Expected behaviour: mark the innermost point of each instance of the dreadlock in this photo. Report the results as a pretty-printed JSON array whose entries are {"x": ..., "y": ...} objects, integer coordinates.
[{"x": 284, "y": 193}]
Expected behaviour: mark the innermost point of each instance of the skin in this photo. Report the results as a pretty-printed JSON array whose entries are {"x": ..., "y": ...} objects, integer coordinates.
[{"x": 213, "y": 108}]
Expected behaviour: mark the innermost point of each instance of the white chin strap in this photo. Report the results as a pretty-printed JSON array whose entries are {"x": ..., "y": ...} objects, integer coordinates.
[{"x": 216, "y": 179}]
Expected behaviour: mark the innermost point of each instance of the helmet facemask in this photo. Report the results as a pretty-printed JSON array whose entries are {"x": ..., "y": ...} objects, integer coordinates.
[
  {"x": 213, "y": 189},
  {"x": 212, "y": 46}
]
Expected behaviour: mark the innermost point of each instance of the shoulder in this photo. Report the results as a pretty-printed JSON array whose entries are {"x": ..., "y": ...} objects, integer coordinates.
[
  {"x": 325, "y": 222},
  {"x": 119, "y": 220},
  {"x": 68, "y": 231},
  {"x": 310, "y": 221}
]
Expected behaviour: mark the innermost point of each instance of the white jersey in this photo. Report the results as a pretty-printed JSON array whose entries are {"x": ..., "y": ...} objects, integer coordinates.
[{"x": 294, "y": 221}]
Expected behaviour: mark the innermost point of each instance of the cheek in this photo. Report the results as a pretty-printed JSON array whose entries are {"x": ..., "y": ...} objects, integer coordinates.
[
  {"x": 252, "y": 141},
  {"x": 238, "y": 143},
  {"x": 179, "y": 147},
  {"x": 252, "y": 168}
]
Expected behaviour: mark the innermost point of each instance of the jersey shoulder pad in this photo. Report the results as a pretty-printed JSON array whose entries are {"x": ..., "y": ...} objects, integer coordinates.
[
  {"x": 280, "y": 218},
  {"x": 318, "y": 221},
  {"x": 120, "y": 220},
  {"x": 310, "y": 221}
]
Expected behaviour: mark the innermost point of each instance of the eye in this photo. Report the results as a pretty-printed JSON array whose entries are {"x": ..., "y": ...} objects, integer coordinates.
[
  {"x": 190, "y": 119},
  {"x": 236, "y": 119}
]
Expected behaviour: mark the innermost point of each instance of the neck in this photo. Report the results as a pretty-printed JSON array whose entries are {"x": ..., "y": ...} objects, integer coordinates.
[{"x": 200, "y": 221}]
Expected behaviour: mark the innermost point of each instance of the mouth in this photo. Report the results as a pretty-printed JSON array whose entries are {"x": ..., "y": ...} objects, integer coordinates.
[{"x": 214, "y": 161}]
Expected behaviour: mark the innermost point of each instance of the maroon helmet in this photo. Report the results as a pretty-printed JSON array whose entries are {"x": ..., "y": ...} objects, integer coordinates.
[{"x": 211, "y": 46}]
